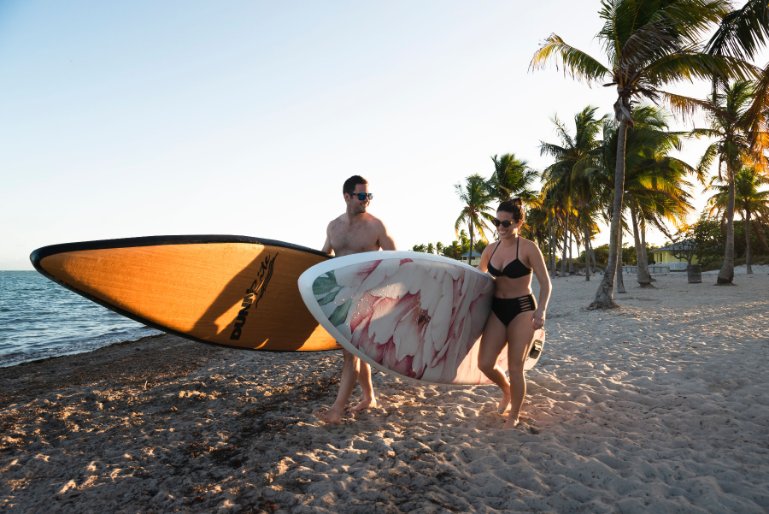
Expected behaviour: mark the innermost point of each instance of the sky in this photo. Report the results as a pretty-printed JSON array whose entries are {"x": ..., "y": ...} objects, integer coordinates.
[{"x": 245, "y": 117}]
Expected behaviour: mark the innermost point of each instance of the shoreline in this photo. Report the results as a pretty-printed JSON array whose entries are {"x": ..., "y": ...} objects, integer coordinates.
[{"x": 660, "y": 405}]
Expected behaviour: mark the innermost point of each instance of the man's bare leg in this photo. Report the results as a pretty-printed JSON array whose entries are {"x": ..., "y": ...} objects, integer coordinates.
[
  {"x": 368, "y": 399},
  {"x": 346, "y": 385}
]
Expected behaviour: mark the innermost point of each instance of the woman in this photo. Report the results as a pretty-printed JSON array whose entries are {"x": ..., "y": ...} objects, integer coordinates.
[{"x": 515, "y": 314}]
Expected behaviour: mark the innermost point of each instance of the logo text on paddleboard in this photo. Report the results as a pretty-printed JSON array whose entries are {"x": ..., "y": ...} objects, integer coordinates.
[{"x": 254, "y": 293}]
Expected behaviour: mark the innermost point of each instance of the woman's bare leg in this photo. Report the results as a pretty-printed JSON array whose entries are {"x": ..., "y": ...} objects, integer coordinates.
[
  {"x": 520, "y": 334},
  {"x": 492, "y": 342}
]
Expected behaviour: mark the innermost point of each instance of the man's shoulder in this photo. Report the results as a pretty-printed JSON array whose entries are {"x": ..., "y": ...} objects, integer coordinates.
[
  {"x": 370, "y": 218},
  {"x": 339, "y": 220}
]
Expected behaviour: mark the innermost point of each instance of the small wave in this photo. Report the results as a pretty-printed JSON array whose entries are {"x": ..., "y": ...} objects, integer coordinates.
[
  {"x": 40, "y": 319},
  {"x": 13, "y": 355}
]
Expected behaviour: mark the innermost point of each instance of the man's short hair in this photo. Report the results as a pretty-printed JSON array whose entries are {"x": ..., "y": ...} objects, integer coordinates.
[{"x": 350, "y": 183}]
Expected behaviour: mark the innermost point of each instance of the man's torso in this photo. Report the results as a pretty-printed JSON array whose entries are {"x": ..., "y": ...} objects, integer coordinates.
[{"x": 361, "y": 235}]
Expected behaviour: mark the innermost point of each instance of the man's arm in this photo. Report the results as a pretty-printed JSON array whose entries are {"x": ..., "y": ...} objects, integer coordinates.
[
  {"x": 327, "y": 248},
  {"x": 385, "y": 241}
]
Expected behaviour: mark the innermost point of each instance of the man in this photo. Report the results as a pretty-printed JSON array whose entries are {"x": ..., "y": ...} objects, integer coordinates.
[{"x": 354, "y": 231}]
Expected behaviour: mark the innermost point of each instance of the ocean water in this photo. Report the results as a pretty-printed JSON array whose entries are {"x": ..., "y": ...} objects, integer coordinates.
[{"x": 40, "y": 319}]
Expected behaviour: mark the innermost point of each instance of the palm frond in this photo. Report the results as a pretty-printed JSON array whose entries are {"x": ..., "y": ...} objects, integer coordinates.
[
  {"x": 706, "y": 161},
  {"x": 576, "y": 63},
  {"x": 684, "y": 106},
  {"x": 691, "y": 65},
  {"x": 758, "y": 112},
  {"x": 704, "y": 132},
  {"x": 551, "y": 149},
  {"x": 742, "y": 33},
  {"x": 692, "y": 18}
]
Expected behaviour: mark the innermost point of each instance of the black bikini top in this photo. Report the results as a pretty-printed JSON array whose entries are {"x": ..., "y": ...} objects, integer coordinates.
[{"x": 514, "y": 269}]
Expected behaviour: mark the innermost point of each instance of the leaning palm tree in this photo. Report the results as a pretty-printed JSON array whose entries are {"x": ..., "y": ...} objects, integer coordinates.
[
  {"x": 475, "y": 213},
  {"x": 512, "y": 177},
  {"x": 648, "y": 45},
  {"x": 749, "y": 202}
]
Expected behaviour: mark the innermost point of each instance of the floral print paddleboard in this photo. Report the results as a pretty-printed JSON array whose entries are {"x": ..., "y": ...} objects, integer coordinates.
[{"x": 418, "y": 315}]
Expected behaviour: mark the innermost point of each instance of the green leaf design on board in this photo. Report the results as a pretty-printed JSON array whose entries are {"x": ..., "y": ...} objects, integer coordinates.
[
  {"x": 330, "y": 297},
  {"x": 324, "y": 284},
  {"x": 340, "y": 313}
]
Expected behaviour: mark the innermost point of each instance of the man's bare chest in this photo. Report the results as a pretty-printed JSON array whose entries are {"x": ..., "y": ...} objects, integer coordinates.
[{"x": 346, "y": 240}]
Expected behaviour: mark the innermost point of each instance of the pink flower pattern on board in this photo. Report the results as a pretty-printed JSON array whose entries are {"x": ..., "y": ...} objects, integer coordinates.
[{"x": 386, "y": 306}]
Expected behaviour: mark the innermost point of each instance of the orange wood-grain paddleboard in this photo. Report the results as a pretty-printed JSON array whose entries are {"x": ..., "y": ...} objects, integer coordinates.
[{"x": 233, "y": 291}]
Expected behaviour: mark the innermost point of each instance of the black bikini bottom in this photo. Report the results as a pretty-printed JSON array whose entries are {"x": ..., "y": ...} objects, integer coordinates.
[{"x": 506, "y": 309}]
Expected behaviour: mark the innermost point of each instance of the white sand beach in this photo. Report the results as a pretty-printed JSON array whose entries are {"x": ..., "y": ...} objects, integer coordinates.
[{"x": 659, "y": 406}]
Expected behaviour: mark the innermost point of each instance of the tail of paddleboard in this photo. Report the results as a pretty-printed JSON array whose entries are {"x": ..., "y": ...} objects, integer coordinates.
[{"x": 226, "y": 290}]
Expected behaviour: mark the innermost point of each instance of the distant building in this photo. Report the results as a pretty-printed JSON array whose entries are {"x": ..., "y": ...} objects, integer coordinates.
[
  {"x": 665, "y": 255},
  {"x": 471, "y": 260}
]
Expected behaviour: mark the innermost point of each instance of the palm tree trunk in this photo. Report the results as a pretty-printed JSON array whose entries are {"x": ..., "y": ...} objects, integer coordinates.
[
  {"x": 642, "y": 231},
  {"x": 587, "y": 254},
  {"x": 579, "y": 245},
  {"x": 571, "y": 252},
  {"x": 565, "y": 245},
  {"x": 604, "y": 296},
  {"x": 470, "y": 257},
  {"x": 552, "y": 249},
  {"x": 726, "y": 274},
  {"x": 643, "y": 276},
  {"x": 620, "y": 275},
  {"x": 748, "y": 251}
]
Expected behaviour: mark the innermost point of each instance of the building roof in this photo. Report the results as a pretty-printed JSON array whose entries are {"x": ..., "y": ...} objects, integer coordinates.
[{"x": 680, "y": 246}]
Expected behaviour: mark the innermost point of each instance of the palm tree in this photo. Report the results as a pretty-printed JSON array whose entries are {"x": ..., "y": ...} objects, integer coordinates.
[
  {"x": 648, "y": 45},
  {"x": 749, "y": 202},
  {"x": 741, "y": 34},
  {"x": 568, "y": 178},
  {"x": 543, "y": 214},
  {"x": 734, "y": 130},
  {"x": 655, "y": 189},
  {"x": 475, "y": 198},
  {"x": 536, "y": 223},
  {"x": 512, "y": 177}
]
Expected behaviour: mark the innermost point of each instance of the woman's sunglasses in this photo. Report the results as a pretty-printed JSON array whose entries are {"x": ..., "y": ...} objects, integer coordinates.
[
  {"x": 363, "y": 196},
  {"x": 504, "y": 223}
]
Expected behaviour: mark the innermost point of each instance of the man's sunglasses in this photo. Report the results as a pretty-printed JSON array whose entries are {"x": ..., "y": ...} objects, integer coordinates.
[
  {"x": 504, "y": 223},
  {"x": 363, "y": 196}
]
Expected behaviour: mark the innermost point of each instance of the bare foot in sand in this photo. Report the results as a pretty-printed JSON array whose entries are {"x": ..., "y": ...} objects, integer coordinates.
[
  {"x": 329, "y": 416},
  {"x": 511, "y": 422},
  {"x": 504, "y": 404},
  {"x": 365, "y": 403}
]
